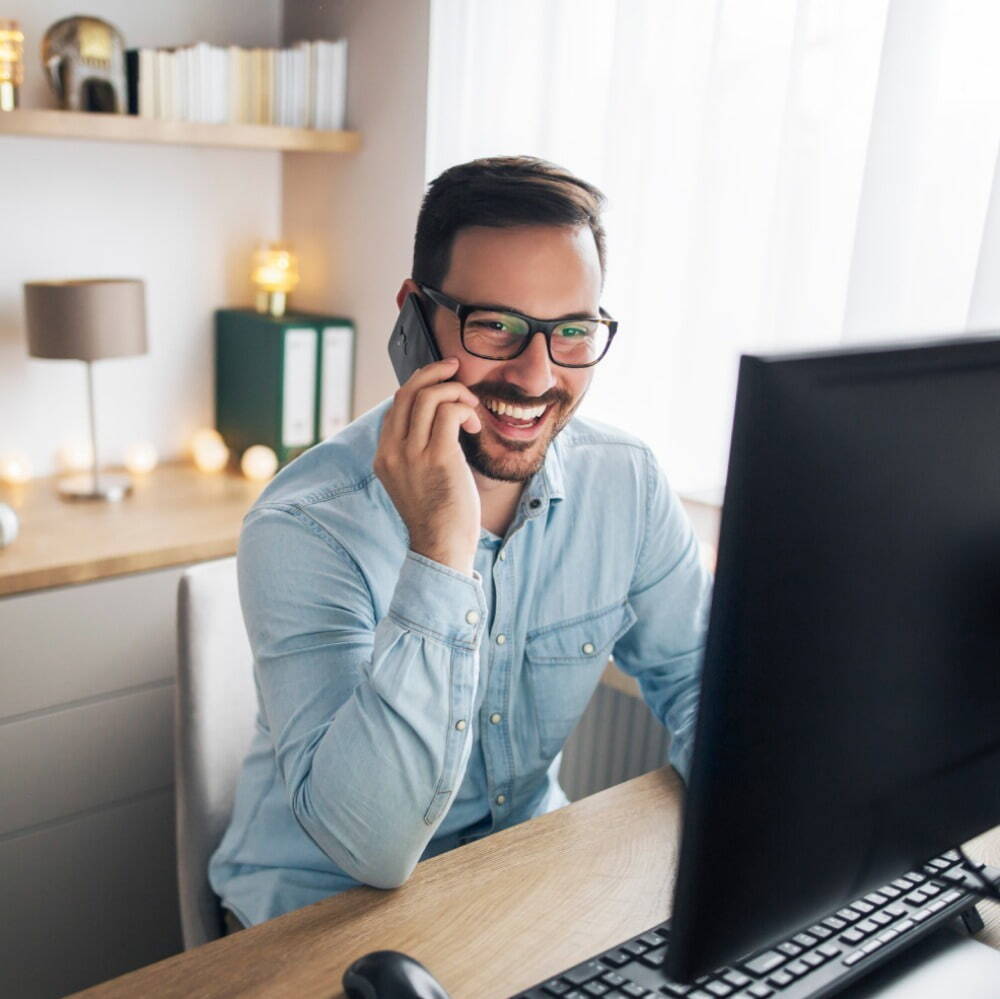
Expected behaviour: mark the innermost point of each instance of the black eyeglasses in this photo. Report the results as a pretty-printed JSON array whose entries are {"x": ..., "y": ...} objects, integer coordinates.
[{"x": 501, "y": 335}]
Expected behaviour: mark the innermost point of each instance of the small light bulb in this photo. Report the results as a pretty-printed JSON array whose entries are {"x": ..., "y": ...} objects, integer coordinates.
[
  {"x": 259, "y": 463},
  {"x": 141, "y": 458},
  {"x": 206, "y": 435},
  {"x": 15, "y": 469},
  {"x": 75, "y": 456},
  {"x": 211, "y": 456}
]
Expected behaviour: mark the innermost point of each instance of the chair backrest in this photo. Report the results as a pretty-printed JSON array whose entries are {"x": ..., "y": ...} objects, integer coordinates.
[{"x": 216, "y": 706}]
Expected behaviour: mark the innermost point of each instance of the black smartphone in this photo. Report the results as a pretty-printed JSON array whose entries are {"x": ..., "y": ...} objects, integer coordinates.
[{"x": 412, "y": 344}]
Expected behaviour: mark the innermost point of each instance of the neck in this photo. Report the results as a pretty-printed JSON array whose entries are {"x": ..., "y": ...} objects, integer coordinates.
[{"x": 498, "y": 502}]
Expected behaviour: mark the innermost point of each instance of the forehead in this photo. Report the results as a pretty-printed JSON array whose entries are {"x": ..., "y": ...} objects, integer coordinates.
[{"x": 540, "y": 270}]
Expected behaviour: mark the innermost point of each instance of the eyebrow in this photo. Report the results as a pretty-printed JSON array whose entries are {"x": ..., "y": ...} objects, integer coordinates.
[{"x": 496, "y": 307}]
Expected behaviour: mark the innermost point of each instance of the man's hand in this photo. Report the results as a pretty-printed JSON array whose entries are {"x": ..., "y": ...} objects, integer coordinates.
[{"x": 423, "y": 468}]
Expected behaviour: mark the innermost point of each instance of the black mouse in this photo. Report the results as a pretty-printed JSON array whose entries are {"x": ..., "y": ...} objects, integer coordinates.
[{"x": 387, "y": 974}]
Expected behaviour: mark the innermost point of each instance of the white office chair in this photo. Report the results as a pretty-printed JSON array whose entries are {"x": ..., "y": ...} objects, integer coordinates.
[{"x": 215, "y": 709}]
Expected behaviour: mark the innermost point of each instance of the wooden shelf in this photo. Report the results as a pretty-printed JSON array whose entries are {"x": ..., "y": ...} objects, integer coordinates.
[
  {"x": 175, "y": 515},
  {"x": 129, "y": 128}
]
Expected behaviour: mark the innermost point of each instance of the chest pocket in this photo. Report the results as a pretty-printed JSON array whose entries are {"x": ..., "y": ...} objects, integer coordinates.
[{"x": 565, "y": 662}]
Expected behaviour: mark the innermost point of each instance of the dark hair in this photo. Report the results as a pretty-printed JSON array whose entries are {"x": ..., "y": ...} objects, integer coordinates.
[{"x": 502, "y": 191}]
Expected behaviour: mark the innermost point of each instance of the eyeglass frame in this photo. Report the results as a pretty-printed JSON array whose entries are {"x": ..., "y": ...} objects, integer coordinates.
[{"x": 544, "y": 326}]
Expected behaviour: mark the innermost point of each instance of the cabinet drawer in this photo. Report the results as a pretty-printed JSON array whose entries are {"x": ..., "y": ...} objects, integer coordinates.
[
  {"x": 75, "y": 642},
  {"x": 81, "y": 757}
]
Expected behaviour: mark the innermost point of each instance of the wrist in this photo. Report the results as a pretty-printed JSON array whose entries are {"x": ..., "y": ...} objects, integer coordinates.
[{"x": 447, "y": 555}]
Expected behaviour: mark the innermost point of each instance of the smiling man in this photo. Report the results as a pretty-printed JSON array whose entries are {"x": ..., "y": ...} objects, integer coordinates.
[{"x": 432, "y": 595}]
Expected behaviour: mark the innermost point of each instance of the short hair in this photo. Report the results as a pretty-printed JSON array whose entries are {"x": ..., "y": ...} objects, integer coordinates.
[{"x": 500, "y": 192}]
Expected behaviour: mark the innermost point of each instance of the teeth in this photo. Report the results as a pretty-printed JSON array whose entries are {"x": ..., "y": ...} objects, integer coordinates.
[{"x": 514, "y": 412}]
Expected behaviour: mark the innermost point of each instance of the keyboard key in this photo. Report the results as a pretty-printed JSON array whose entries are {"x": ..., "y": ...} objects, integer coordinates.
[
  {"x": 902, "y": 884},
  {"x": 631, "y": 989},
  {"x": 675, "y": 989},
  {"x": 937, "y": 905},
  {"x": 596, "y": 989},
  {"x": 834, "y": 923},
  {"x": 700, "y": 994},
  {"x": 760, "y": 991},
  {"x": 583, "y": 973},
  {"x": 790, "y": 949},
  {"x": 906, "y": 924},
  {"x": 876, "y": 898},
  {"x": 763, "y": 963},
  {"x": 916, "y": 898},
  {"x": 652, "y": 939},
  {"x": 819, "y": 931},
  {"x": 896, "y": 911},
  {"x": 951, "y": 896},
  {"x": 797, "y": 968},
  {"x": 613, "y": 979},
  {"x": 886, "y": 935},
  {"x": 862, "y": 906},
  {"x": 654, "y": 958},
  {"x": 853, "y": 957},
  {"x": 849, "y": 915},
  {"x": 867, "y": 927},
  {"x": 803, "y": 939},
  {"x": 719, "y": 988},
  {"x": 882, "y": 918},
  {"x": 915, "y": 877},
  {"x": 851, "y": 936},
  {"x": 635, "y": 947},
  {"x": 872, "y": 945},
  {"x": 735, "y": 978},
  {"x": 780, "y": 979},
  {"x": 814, "y": 958},
  {"x": 890, "y": 892},
  {"x": 556, "y": 987},
  {"x": 921, "y": 915},
  {"x": 829, "y": 950},
  {"x": 616, "y": 958}
]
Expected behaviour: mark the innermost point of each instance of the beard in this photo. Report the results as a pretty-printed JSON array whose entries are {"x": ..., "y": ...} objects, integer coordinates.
[{"x": 518, "y": 460}]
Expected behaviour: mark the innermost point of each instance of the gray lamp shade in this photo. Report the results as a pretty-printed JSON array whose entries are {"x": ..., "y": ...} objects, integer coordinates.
[{"x": 87, "y": 320}]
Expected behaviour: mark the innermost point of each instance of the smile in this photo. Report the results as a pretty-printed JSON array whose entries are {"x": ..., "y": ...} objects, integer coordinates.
[{"x": 521, "y": 414}]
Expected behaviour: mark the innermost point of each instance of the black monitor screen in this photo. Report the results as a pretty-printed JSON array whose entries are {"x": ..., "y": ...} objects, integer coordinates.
[{"x": 850, "y": 717}]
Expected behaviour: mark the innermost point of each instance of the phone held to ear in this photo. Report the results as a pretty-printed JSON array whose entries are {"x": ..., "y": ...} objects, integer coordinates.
[{"x": 412, "y": 344}]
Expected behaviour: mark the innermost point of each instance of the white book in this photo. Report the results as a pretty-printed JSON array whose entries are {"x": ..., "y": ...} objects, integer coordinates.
[
  {"x": 147, "y": 83},
  {"x": 338, "y": 115},
  {"x": 336, "y": 376},
  {"x": 220, "y": 63},
  {"x": 232, "y": 84},
  {"x": 162, "y": 81},
  {"x": 309, "y": 84},
  {"x": 298, "y": 409},
  {"x": 324, "y": 83},
  {"x": 301, "y": 60}
]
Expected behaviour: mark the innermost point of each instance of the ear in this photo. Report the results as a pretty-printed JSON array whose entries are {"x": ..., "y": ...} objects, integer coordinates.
[{"x": 408, "y": 287}]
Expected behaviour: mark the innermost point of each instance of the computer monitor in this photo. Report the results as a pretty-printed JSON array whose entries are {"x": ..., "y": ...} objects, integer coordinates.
[{"x": 849, "y": 725}]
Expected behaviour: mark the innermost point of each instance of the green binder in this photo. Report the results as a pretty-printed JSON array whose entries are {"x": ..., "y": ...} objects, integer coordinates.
[{"x": 285, "y": 382}]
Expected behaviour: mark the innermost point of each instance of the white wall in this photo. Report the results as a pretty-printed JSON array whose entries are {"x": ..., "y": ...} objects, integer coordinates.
[
  {"x": 352, "y": 218},
  {"x": 183, "y": 219}
]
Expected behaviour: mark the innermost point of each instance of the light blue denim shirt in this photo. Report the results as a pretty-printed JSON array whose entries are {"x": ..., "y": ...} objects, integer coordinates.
[{"x": 405, "y": 708}]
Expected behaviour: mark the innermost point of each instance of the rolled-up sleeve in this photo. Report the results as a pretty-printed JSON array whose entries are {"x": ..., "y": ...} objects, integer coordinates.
[
  {"x": 671, "y": 596},
  {"x": 369, "y": 718}
]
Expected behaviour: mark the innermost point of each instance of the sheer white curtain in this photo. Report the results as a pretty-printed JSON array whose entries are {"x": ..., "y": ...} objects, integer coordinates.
[{"x": 780, "y": 174}]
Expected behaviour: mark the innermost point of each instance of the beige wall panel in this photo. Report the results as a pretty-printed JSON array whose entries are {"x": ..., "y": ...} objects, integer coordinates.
[
  {"x": 74, "y": 642},
  {"x": 352, "y": 218}
]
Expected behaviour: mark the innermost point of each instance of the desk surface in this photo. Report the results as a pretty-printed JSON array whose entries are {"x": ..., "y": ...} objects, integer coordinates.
[{"x": 488, "y": 919}]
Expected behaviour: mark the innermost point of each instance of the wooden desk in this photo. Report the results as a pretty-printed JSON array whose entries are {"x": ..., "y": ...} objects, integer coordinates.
[{"x": 487, "y": 919}]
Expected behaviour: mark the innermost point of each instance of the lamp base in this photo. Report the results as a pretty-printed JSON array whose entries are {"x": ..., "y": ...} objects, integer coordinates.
[{"x": 109, "y": 487}]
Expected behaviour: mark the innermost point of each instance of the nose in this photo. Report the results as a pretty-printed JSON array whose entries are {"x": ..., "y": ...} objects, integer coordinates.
[{"x": 531, "y": 371}]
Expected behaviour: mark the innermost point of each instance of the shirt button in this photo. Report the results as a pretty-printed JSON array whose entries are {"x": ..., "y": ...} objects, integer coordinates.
[
  {"x": 501, "y": 798},
  {"x": 495, "y": 718},
  {"x": 503, "y": 555},
  {"x": 472, "y": 617},
  {"x": 535, "y": 504},
  {"x": 501, "y": 639},
  {"x": 588, "y": 648},
  {"x": 460, "y": 725}
]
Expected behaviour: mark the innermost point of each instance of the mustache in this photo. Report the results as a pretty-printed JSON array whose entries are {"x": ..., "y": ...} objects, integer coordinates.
[{"x": 505, "y": 392}]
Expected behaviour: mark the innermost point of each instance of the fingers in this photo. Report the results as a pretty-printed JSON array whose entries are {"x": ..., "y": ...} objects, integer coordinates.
[
  {"x": 397, "y": 420},
  {"x": 448, "y": 417},
  {"x": 426, "y": 409}
]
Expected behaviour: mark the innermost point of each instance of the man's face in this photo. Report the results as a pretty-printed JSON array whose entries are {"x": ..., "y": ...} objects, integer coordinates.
[{"x": 543, "y": 271}]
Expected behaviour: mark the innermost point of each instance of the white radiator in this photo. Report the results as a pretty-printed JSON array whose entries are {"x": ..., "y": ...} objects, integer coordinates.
[{"x": 617, "y": 738}]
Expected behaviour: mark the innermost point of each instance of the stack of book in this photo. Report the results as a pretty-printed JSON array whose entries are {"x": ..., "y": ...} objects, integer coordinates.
[{"x": 304, "y": 86}]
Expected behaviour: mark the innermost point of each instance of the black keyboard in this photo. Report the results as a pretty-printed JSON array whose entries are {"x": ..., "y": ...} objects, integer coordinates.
[{"x": 818, "y": 961}]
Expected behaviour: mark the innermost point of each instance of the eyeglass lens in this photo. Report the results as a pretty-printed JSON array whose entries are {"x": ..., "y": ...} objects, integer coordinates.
[{"x": 500, "y": 335}]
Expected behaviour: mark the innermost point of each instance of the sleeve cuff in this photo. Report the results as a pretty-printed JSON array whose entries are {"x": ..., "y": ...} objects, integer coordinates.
[{"x": 439, "y": 602}]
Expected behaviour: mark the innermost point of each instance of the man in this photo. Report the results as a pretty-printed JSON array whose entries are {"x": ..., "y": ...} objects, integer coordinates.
[{"x": 432, "y": 595}]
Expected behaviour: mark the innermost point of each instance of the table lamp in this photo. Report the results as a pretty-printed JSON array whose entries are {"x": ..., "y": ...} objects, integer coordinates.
[{"x": 87, "y": 320}]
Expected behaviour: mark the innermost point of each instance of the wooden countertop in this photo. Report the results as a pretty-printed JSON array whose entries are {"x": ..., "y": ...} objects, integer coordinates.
[
  {"x": 174, "y": 515},
  {"x": 497, "y": 915}
]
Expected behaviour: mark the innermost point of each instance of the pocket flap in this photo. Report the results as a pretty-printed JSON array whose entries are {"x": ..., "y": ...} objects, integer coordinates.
[{"x": 581, "y": 638}]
